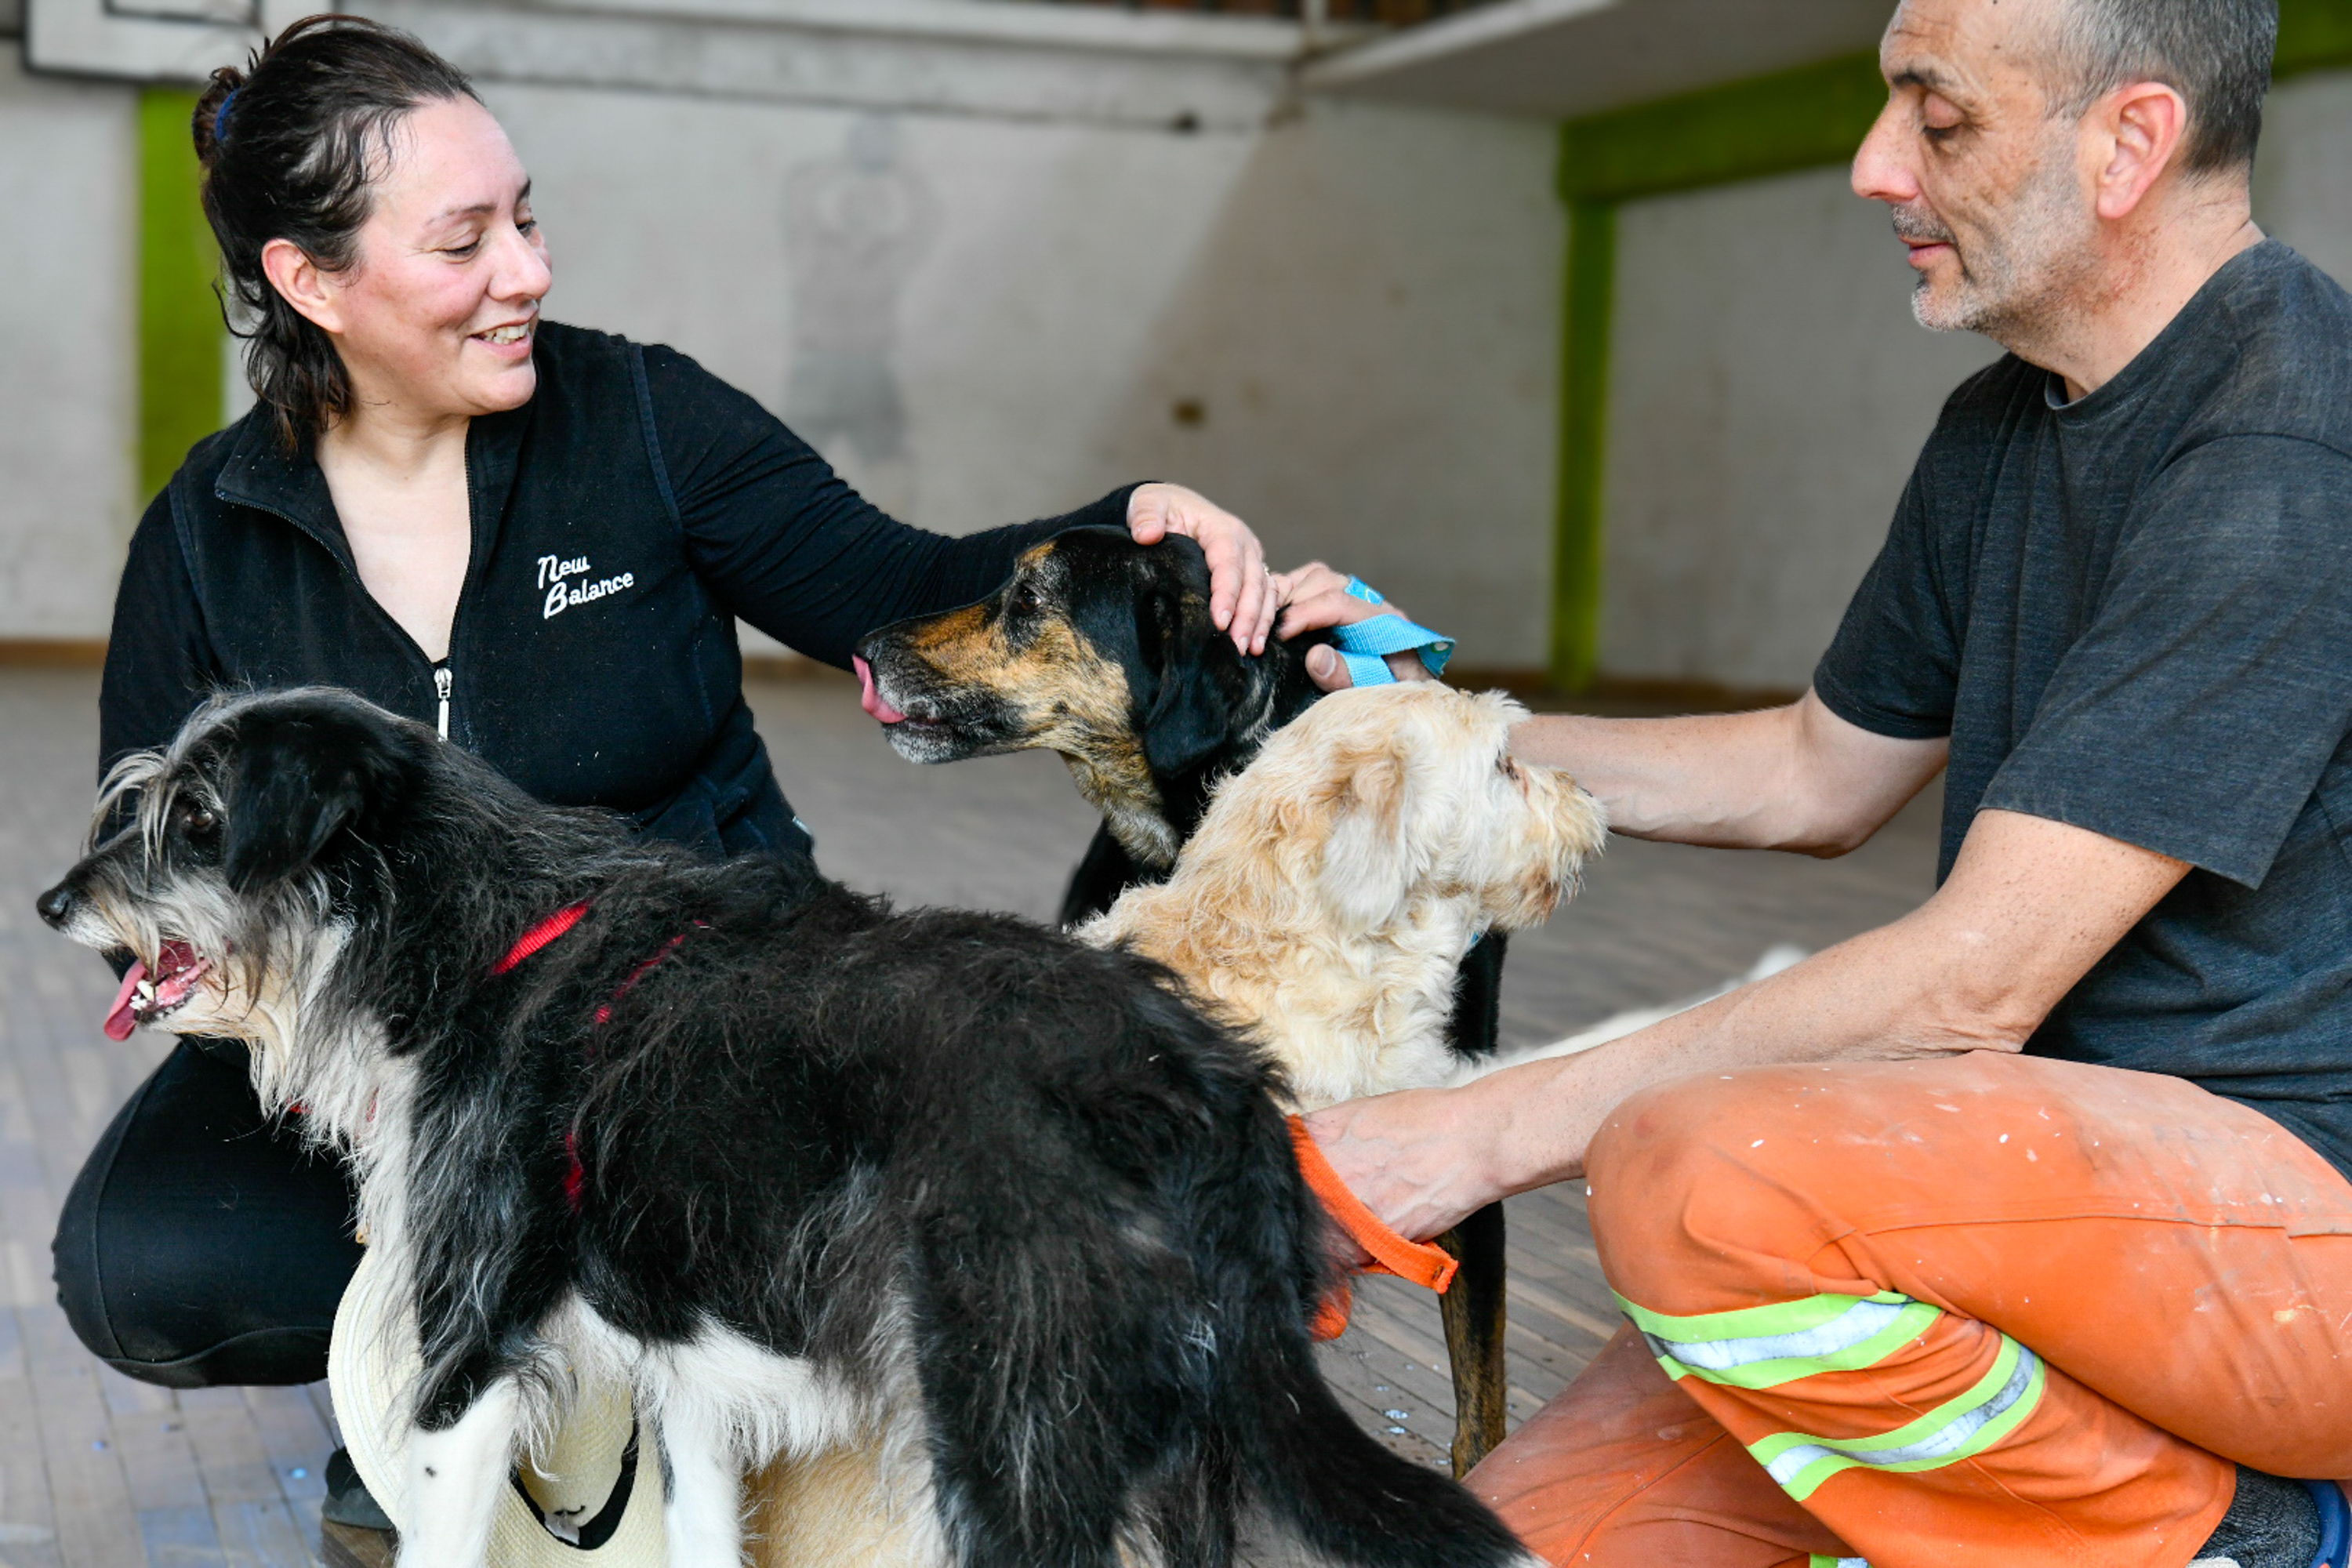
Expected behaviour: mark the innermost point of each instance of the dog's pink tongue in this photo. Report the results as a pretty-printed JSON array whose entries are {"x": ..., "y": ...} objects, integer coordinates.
[
  {"x": 119, "y": 1019},
  {"x": 871, "y": 699}
]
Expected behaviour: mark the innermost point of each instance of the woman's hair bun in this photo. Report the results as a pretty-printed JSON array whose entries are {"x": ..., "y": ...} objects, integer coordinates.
[{"x": 210, "y": 122}]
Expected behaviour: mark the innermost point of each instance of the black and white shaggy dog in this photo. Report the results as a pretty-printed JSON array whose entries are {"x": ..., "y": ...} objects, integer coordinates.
[{"x": 802, "y": 1171}]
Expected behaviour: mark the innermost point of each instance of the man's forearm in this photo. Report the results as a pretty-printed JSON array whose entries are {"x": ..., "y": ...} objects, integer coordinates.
[
  {"x": 2030, "y": 906},
  {"x": 1873, "y": 998},
  {"x": 1715, "y": 779},
  {"x": 1423, "y": 1159},
  {"x": 1796, "y": 778}
]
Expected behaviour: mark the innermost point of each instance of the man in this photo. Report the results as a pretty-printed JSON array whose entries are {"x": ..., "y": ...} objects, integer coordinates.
[{"x": 2017, "y": 1231}]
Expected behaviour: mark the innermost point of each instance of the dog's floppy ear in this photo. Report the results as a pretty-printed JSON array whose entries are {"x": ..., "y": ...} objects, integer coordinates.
[
  {"x": 302, "y": 775},
  {"x": 1367, "y": 871},
  {"x": 1189, "y": 716}
]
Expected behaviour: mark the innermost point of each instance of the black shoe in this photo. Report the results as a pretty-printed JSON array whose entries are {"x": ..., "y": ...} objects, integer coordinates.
[{"x": 348, "y": 1500}]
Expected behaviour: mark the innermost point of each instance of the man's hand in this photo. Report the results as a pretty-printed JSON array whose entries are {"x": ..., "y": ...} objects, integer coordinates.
[
  {"x": 1415, "y": 1158},
  {"x": 1243, "y": 594},
  {"x": 1313, "y": 597}
]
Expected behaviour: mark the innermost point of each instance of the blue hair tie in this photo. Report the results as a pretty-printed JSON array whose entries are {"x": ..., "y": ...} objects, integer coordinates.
[{"x": 220, "y": 115}]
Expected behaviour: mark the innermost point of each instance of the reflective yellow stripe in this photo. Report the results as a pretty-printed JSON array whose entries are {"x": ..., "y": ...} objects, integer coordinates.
[
  {"x": 1772, "y": 1318},
  {"x": 1764, "y": 1347},
  {"x": 1959, "y": 1430}
]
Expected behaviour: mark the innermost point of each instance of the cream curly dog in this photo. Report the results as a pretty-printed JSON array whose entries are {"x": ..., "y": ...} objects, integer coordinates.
[{"x": 1327, "y": 898}]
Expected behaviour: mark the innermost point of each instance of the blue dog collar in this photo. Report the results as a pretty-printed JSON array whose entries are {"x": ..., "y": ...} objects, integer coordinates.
[{"x": 1363, "y": 645}]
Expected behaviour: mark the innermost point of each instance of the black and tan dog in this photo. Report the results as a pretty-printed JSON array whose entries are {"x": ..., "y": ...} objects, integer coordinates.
[{"x": 1102, "y": 650}]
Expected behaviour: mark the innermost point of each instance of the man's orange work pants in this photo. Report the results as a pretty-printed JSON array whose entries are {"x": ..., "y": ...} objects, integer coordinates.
[{"x": 1975, "y": 1311}]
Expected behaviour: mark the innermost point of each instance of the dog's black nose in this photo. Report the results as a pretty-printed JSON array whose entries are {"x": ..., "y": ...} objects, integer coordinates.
[{"x": 55, "y": 904}]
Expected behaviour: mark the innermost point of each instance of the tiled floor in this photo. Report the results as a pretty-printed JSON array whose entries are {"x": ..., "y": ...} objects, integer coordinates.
[{"x": 97, "y": 1471}]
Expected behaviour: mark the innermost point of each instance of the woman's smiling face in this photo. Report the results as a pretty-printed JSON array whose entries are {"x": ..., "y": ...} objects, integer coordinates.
[{"x": 435, "y": 317}]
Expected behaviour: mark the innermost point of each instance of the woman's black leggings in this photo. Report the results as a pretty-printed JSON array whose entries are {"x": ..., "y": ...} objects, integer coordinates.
[{"x": 202, "y": 1244}]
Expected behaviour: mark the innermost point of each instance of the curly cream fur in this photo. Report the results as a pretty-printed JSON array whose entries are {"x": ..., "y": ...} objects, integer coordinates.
[{"x": 1336, "y": 884}]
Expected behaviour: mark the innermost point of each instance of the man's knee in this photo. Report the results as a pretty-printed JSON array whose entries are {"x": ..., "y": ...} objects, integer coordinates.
[
  {"x": 1706, "y": 1177},
  {"x": 1671, "y": 1145}
]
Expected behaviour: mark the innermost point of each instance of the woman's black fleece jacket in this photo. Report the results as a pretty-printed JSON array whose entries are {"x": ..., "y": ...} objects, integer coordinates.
[{"x": 621, "y": 519}]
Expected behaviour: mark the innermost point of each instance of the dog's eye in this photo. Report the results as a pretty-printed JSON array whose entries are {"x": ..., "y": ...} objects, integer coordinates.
[
  {"x": 195, "y": 821},
  {"x": 1025, "y": 601},
  {"x": 1507, "y": 768}
]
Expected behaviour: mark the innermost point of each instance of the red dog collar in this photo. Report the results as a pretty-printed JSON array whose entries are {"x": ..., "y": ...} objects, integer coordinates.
[
  {"x": 575, "y": 1175},
  {"x": 540, "y": 935}
]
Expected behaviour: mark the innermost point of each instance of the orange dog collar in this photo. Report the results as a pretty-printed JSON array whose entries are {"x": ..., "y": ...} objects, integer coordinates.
[{"x": 1429, "y": 1266}]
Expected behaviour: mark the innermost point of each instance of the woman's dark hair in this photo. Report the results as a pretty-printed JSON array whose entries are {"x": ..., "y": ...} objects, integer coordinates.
[{"x": 289, "y": 147}]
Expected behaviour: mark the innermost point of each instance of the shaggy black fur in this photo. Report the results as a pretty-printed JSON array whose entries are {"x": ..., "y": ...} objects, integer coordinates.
[{"x": 812, "y": 1114}]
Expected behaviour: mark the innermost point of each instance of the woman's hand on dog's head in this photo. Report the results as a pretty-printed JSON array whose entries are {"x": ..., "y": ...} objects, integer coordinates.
[
  {"x": 1242, "y": 596},
  {"x": 1246, "y": 594},
  {"x": 1313, "y": 597}
]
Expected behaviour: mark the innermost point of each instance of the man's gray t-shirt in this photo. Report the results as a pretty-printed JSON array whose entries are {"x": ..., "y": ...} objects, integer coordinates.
[{"x": 2132, "y": 613}]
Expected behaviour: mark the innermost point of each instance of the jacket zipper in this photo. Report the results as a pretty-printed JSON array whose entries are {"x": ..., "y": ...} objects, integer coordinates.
[{"x": 441, "y": 675}]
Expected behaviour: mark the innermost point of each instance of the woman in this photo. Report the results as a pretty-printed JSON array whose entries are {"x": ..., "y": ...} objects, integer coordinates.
[{"x": 535, "y": 537}]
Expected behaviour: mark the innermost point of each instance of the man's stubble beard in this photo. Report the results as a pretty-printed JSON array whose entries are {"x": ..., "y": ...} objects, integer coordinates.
[{"x": 2018, "y": 278}]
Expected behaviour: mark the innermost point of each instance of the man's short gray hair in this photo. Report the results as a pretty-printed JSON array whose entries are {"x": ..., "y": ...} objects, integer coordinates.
[{"x": 2215, "y": 53}]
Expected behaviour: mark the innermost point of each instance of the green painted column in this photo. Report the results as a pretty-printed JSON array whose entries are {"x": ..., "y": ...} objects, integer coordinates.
[
  {"x": 180, "y": 329},
  {"x": 2313, "y": 35},
  {"x": 1587, "y": 308}
]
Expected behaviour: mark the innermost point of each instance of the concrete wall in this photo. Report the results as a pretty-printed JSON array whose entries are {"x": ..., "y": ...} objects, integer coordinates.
[
  {"x": 1769, "y": 390},
  {"x": 1344, "y": 327},
  {"x": 1379, "y": 384},
  {"x": 66, "y": 387},
  {"x": 2303, "y": 181},
  {"x": 1342, "y": 321}
]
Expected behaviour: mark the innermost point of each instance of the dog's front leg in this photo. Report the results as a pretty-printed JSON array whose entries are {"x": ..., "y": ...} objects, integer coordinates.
[
  {"x": 1474, "y": 1315},
  {"x": 704, "y": 1516},
  {"x": 455, "y": 1474}
]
